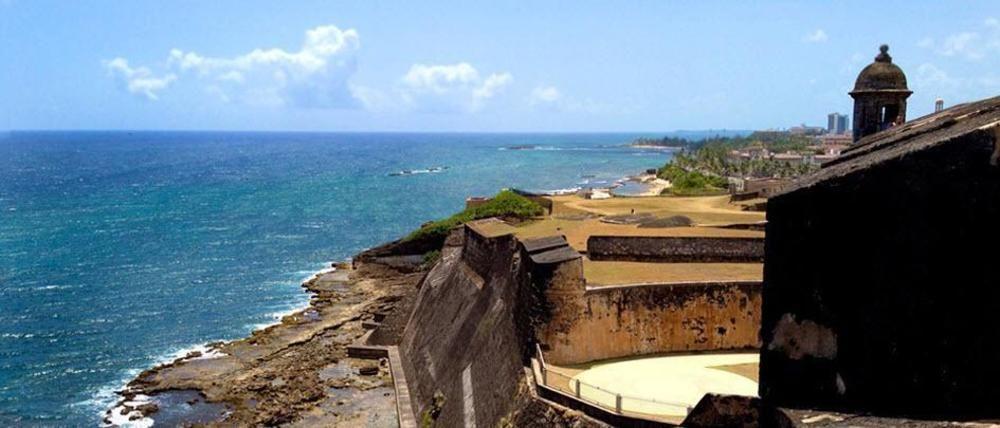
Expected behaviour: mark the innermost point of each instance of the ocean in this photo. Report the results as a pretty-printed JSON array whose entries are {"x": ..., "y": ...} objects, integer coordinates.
[{"x": 120, "y": 250}]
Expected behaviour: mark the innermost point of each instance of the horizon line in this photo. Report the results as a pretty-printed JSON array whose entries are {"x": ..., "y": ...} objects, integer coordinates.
[{"x": 379, "y": 132}]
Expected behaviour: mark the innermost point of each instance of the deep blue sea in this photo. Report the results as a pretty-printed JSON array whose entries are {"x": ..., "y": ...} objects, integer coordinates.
[{"x": 121, "y": 249}]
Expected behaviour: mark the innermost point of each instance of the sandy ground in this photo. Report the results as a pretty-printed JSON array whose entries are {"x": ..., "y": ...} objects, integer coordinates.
[
  {"x": 664, "y": 385},
  {"x": 701, "y": 208},
  {"x": 625, "y": 273},
  {"x": 578, "y": 218},
  {"x": 295, "y": 373}
]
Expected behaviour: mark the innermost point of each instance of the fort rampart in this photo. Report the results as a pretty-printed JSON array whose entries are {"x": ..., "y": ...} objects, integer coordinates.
[{"x": 676, "y": 249}]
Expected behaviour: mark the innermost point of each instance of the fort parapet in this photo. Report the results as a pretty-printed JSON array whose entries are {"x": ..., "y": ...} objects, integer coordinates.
[{"x": 663, "y": 249}]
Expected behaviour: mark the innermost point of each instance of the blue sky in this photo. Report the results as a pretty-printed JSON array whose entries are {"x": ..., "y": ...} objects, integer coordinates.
[{"x": 475, "y": 66}]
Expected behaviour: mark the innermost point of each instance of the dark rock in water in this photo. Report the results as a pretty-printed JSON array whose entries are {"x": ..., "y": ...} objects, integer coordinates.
[
  {"x": 522, "y": 147},
  {"x": 148, "y": 408},
  {"x": 183, "y": 408}
]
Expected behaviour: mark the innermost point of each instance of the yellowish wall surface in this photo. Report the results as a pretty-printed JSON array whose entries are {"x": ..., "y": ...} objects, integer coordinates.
[{"x": 614, "y": 322}]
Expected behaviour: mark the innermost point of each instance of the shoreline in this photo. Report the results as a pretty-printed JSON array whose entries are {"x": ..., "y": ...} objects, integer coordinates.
[
  {"x": 202, "y": 350},
  {"x": 200, "y": 367},
  {"x": 243, "y": 380},
  {"x": 113, "y": 417}
]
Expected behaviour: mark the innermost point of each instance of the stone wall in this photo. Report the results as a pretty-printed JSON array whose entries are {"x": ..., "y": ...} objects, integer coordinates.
[
  {"x": 880, "y": 288},
  {"x": 462, "y": 342},
  {"x": 611, "y": 322},
  {"x": 675, "y": 249}
]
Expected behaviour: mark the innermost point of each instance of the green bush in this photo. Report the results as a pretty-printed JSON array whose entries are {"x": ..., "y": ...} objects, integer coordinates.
[
  {"x": 505, "y": 204},
  {"x": 670, "y": 172},
  {"x": 691, "y": 183}
]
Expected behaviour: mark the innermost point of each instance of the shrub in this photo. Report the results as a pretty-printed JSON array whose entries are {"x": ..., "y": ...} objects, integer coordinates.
[
  {"x": 505, "y": 204},
  {"x": 691, "y": 183},
  {"x": 431, "y": 257},
  {"x": 670, "y": 172}
]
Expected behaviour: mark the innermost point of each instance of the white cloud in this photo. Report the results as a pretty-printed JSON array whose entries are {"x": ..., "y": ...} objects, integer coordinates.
[
  {"x": 139, "y": 80},
  {"x": 544, "y": 95},
  {"x": 930, "y": 76},
  {"x": 492, "y": 85},
  {"x": 817, "y": 36},
  {"x": 931, "y": 79},
  {"x": 315, "y": 75},
  {"x": 971, "y": 45},
  {"x": 450, "y": 87},
  {"x": 992, "y": 23},
  {"x": 551, "y": 98}
]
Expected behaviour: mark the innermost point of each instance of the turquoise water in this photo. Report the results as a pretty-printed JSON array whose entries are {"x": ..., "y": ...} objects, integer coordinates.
[{"x": 118, "y": 250}]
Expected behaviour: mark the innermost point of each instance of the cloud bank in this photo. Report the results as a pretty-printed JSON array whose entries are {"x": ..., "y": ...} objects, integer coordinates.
[
  {"x": 970, "y": 45},
  {"x": 317, "y": 75}
]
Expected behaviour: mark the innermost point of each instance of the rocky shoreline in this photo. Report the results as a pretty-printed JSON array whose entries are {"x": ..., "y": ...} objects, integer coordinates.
[{"x": 293, "y": 373}]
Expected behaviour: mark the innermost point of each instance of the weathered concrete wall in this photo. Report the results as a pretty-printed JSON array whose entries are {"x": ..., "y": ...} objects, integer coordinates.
[
  {"x": 480, "y": 253},
  {"x": 881, "y": 288},
  {"x": 612, "y": 322},
  {"x": 675, "y": 249},
  {"x": 462, "y": 341}
]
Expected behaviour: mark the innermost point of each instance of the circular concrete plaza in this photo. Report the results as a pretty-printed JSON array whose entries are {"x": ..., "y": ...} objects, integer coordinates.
[{"x": 668, "y": 385}]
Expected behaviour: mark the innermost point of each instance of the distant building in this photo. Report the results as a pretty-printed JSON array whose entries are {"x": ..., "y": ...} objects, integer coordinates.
[
  {"x": 938, "y": 105},
  {"x": 804, "y": 129},
  {"x": 836, "y": 123},
  {"x": 880, "y": 95},
  {"x": 835, "y": 139}
]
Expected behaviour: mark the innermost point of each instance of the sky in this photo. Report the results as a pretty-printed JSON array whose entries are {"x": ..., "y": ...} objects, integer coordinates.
[{"x": 483, "y": 66}]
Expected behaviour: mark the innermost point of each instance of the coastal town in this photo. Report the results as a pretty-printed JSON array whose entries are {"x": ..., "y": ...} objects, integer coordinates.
[{"x": 704, "y": 298}]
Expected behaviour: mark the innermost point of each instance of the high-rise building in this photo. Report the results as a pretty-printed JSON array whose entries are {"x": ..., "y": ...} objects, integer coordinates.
[{"x": 836, "y": 123}]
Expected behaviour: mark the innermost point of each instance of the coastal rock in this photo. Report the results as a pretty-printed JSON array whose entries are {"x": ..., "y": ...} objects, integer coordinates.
[
  {"x": 148, "y": 408},
  {"x": 277, "y": 372}
]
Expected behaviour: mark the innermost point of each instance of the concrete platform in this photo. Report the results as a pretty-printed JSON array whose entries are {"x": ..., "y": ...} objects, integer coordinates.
[{"x": 664, "y": 385}]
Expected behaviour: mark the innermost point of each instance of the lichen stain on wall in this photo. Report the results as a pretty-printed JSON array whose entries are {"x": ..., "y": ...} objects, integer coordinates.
[{"x": 799, "y": 339}]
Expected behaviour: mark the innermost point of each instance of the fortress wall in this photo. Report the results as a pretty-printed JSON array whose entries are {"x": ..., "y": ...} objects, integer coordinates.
[
  {"x": 481, "y": 253},
  {"x": 906, "y": 322},
  {"x": 612, "y": 322},
  {"x": 675, "y": 249},
  {"x": 461, "y": 342}
]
